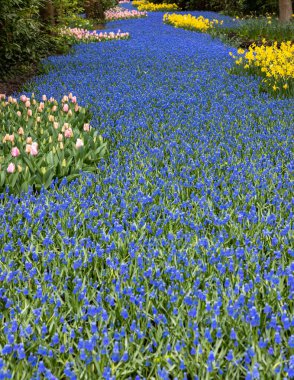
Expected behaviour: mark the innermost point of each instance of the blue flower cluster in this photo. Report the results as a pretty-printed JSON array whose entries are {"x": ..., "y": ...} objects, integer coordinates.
[{"x": 176, "y": 260}]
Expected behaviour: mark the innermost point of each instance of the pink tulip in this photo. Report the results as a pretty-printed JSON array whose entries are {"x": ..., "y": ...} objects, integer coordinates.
[
  {"x": 11, "y": 168},
  {"x": 79, "y": 143},
  {"x": 11, "y": 138},
  {"x": 29, "y": 140},
  {"x": 86, "y": 127},
  {"x": 15, "y": 152},
  {"x": 20, "y": 131},
  {"x": 30, "y": 112},
  {"x": 28, "y": 104},
  {"x": 68, "y": 133},
  {"x": 74, "y": 99},
  {"x": 34, "y": 149},
  {"x": 44, "y": 98},
  {"x": 65, "y": 107},
  {"x": 23, "y": 98},
  {"x": 28, "y": 148},
  {"x": 18, "y": 113},
  {"x": 60, "y": 136}
]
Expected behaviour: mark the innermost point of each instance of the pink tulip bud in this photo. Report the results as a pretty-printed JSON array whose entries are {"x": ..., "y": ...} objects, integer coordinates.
[
  {"x": 20, "y": 131},
  {"x": 54, "y": 108},
  {"x": 11, "y": 168},
  {"x": 28, "y": 104},
  {"x": 77, "y": 108},
  {"x": 6, "y": 138},
  {"x": 60, "y": 136},
  {"x": 65, "y": 98},
  {"x": 74, "y": 99},
  {"x": 23, "y": 98},
  {"x": 34, "y": 149},
  {"x": 86, "y": 127},
  {"x": 15, "y": 152},
  {"x": 18, "y": 113},
  {"x": 68, "y": 133},
  {"x": 70, "y": 95},
  {"x": 44, "y": 98},
  {"x": 55, "y": 125},
  {"x": 2, "y": 96},
  {"x": 42, "y": 105},
  {"x": 65, "y": 107},
  {"x": 30, "y": 112},
  {"x": 29, "y": 140},
  {"x": 79, "y": 143},
  {"x": 11, "y": 138},
  {"x": 28, "y": 148}
]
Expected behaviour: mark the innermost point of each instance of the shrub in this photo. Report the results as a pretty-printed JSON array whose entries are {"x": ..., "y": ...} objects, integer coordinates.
[
  {"x": 22, "y": 38},
  {"x": 40, "y": 141}
]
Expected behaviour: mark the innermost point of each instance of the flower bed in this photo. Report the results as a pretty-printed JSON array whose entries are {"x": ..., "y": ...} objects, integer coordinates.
[
  {"x": 151, "y": 7},
  {"x": 84, "y": 35},
  {"x": 119, "y": 13},
  {"x": 187, "y": 21},
  {"x": 274, "y": 63},
  {"x": 41, "y": 141}
]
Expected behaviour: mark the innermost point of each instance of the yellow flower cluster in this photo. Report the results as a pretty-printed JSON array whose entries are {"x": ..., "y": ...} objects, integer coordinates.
[
  {"x": 144, "y": 5},
  {"x": 275, "y": 63},
  {"x": 190, "y": 22}
]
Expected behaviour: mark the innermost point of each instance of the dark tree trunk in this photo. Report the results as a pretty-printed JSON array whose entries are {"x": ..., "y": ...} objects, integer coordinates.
[
  {"x": 94, "y": 9},
  {"x": 47, "y": 13}
]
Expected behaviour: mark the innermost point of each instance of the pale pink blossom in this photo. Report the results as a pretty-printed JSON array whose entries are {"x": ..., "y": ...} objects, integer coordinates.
[
  {"x": 79, "y": 143},
  {"x": 86, "y": 127},
  {"x": 23, "y": 98},
  {"x": 27, "y": 103},
  {"x": 54, "y": 108},
  {"x": 30, "y": 112},
  {"x": 15, "y": 152},
  {"x": 60, "y": 136},
  {"x": 11, "y": 168},
  {"x": 68, "y": 133},
  {"x": 20, "y": 131},
  {"x": 29, "y": 140},
  {"x": 55, "y": 125},
  {"x": 2, "y": 96},
  {"x": 18, "y": 113},
  {"x": 11, "y": 138},
  {"x": 74, "y": 99},
  {"x": 44, "y": 98},
  {"x": 65, "y": 107},
  {"x": 77, "y": 108},
  {"x": 34, "y": 149},
  {"x": 42, "y": 105}
]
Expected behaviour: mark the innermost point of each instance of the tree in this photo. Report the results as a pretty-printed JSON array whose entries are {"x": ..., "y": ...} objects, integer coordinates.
[{"x": 285, "y": 10}]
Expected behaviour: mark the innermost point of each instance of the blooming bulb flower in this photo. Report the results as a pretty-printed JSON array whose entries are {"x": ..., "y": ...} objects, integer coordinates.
[
  {"x": 54, "y": 108},
  {"x": 15, "y": 152},
  {"x": 23, "y": 98},
  {"x": 18, "y": 113},
  {"x": 20, "y": 131},
  {"x": 55, "y": 125},
  {"x": 79, "y": 143},
  {"x": 86, "y": 127},
  {"x": 44, "y": 98},
  {"x": 30, "y": 112},
  {"x": 11, "y": 138},
  {"x": 68, "y": 133},
  {"x": 29, "y": 140},
  {"x": 51, "y": 118},
  {"x": 28, "y": 104},
  {"x": 34, "y": 149},
  {"x": 65, "y": 107},
  {"x": 11, "y": 168},
  {"x": 60, "y": 137}
]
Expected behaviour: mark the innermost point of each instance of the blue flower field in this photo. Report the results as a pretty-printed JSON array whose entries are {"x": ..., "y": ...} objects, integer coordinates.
[{"x": 176, "y": 260}]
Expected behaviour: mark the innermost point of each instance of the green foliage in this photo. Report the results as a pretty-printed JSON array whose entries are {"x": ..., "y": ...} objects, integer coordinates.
[
  {"x": 95, "y": 8},
  {"x": 43, "y": 141},
  {"x": 227, "y": 6},
  {"x": 255, "y": 29},
  {"x": 22, "y": 38},
  {"x": 75, "y": 21}
]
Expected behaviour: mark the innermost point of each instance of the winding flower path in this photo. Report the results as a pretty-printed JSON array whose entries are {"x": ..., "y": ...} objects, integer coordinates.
[{"x": 177, "y": 258}]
